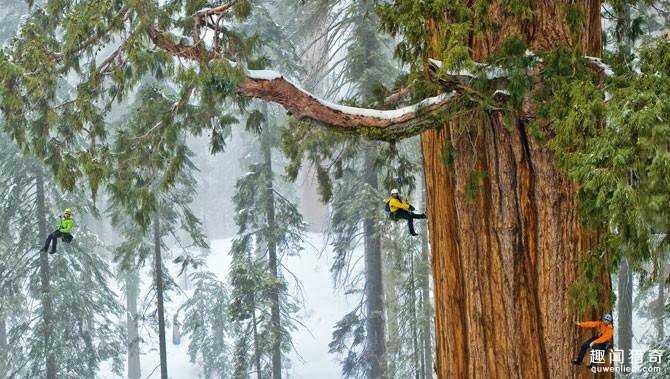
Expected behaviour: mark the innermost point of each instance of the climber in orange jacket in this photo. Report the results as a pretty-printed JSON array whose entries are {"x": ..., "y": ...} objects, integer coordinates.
[{"x": 599, "y": 342}]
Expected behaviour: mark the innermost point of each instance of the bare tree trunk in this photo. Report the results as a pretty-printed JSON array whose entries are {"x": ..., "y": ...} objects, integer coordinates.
[
  {"x": 4, "y": 353},
  {"x": 624, "y": 328},
  {"x": 503, "y": 259},
  {"x": 374, "y": 288},
  {"x": 158, "y": 277},
  {"x": 415, "y": 322},
  {"x": 132, "y": 293},
  {"x": 391, "y": 310},
  {"x": 47, "y": 311},
  {"x": 86, "y": 325},
  {"x": 272, "y": 257},
  {"x": 257, "y": 353}
]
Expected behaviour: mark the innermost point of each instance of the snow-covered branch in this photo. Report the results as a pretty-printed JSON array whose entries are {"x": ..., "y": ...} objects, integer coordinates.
[
  {"x": 271, "y": 86},
  {"x": 496, "y": 73}
]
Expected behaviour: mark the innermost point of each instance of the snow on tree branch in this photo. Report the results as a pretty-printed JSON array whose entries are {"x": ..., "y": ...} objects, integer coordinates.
[{"x": 271, "y": 86}]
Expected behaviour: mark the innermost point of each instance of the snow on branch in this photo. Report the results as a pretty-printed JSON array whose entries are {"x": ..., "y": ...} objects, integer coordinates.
[
  {"x": 387, "y": 125},
  {"x": 495, "y": 73}
]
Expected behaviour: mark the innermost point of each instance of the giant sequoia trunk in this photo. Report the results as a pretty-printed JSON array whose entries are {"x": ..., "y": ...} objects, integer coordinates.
[{"x": 503, "y": 259}]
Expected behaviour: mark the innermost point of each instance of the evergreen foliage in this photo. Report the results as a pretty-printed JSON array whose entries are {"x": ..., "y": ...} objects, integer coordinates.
[
  {"x": 84, "y": 332},
  {"x": 252, "y": 281}
]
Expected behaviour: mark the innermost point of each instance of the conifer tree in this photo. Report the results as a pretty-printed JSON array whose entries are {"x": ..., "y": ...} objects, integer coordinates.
[
  {"x": 270, "y": 227},
  {"x": 151, "y": 194},
  {"x": 207, "y": 322}
]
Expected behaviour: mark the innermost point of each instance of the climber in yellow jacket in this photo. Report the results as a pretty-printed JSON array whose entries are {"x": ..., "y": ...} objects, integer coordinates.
[
  {"x": 401, "y": 209},
  {"x": 599, "y": 342}
]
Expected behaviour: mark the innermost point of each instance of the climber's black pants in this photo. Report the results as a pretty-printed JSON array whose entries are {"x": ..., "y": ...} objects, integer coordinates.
[
  {"x": 410, "y": 217},
  {"x": 585, "y": 347},
  {"x": 52, "y": 240}
]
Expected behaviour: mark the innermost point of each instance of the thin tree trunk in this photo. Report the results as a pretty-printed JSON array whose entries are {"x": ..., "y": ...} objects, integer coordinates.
[
  {"x": 132, "y": 293},
  {"x": 427, "y": 309},
  {"x": 272, "y": 257},
  {"x": 176, "y": 331},
  {"x": 374, "y": 289},
  {"x": 86, "y": 326},
  {"x": 391, "y": 309},
  {"x": 415, "y": 322},
  {"x": 4, "y": 353},
  {"x": 257, "y": 353},
  {"x": 659, "y": 323},
  {"x": 158, "y": 277},
  {"x": 504, "y": 258},
  {"x": 624, "y": 328},
  {"x": 47, "y": 311}
]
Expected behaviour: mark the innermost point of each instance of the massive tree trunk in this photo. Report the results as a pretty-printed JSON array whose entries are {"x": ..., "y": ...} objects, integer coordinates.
[
  {"x": 275, "y": 317},
  {"x": 374, "y": 288},
  {"x": 624, "y": 326},
  {"x": 132, "y": 293},
  {"x": 46, "y": 299},
  {"x": 503, "y": 259},
  {"x": 158, "y": 280}
]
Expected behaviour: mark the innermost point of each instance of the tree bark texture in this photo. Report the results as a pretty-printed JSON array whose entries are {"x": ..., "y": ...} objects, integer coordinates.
[{"x": 504, "y": 258}]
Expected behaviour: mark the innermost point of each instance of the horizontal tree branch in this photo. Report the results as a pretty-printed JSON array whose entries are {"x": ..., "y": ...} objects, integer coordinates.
[{"x": 386, "y": 125}]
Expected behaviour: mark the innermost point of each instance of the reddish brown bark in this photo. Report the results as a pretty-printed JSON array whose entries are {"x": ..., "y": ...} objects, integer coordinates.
[{"x": 504, "y": 258}]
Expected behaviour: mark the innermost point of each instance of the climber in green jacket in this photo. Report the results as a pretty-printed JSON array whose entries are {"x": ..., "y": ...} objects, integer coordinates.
[{"x": 64, "y": 231}]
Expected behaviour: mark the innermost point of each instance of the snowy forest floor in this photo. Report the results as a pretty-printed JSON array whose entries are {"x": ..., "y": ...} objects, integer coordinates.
[{"x": 322, "y": 308}]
